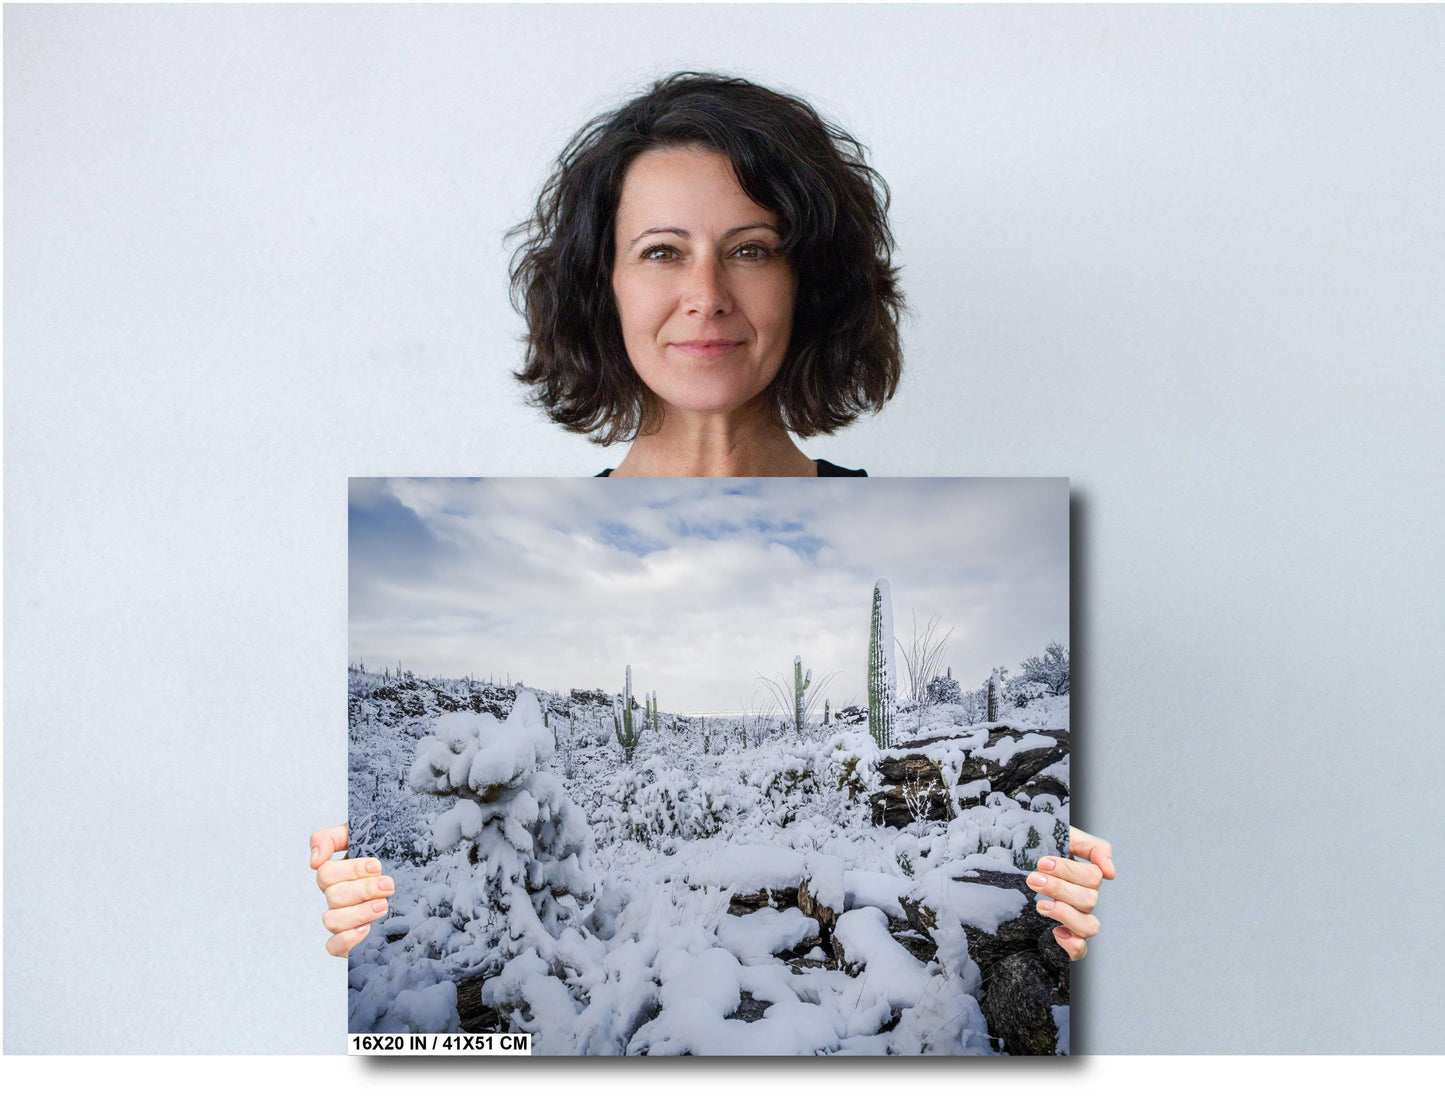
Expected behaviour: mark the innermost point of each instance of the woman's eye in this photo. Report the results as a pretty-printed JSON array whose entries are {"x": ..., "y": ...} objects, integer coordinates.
[
  {"x": 753, "y": 251},
  {"x": 659, "y": 253}
]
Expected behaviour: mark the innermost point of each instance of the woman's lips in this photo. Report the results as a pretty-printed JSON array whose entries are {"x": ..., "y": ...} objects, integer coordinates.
[{"x": 707, "y": 348}]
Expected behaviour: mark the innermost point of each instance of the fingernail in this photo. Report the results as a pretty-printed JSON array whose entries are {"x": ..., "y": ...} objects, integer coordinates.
[
  {"x": 1046, "y": 904},
  {"x": 1046, "y": 864},
  {"x": 1038, "y": 882},
  {"x": 386, "y": 884},
  {"x": 315, "y": 852},
  {"x": 361, "y": 931},
  {"x": 373, "y": 867},
  {"x": 1061, "y": 932},
  {"x": 379, "y": 906}
]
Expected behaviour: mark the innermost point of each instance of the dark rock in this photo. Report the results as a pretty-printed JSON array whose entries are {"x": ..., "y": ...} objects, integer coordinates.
[
  {"x": 921, "y": 918},
  {"x": 449, "y": 703},
  {"x": 1019, "y": 935},
  {"x": 800, "y": 965},
  {"x": 802, "y": 948},
  {"x": 475, "y": 1015},
  {"x": 783, "y": 898},
  {"x": 923, "y": 948},
  {"x": 825, "y": 916},
  {"x": 750, "y": 1010},
  {"x": 591, "y": 696},
  {"x": 1012, "y": 880},
  {"x": 890, "y": 807},
  {"x": 1018, "y": 1005},
  {"x": 911, "y": 768},
  {"x": 1024, "y": 766},
  {"x": 1040, "y": 783},
  {"x": 915, "y": 744},
  {"x": 1054, "y": 955}
]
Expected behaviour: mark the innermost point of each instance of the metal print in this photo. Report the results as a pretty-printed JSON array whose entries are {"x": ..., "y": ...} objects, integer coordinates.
[{"x": 712, "y": 766}]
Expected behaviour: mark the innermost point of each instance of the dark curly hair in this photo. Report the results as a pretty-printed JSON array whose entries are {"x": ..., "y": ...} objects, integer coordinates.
[{"x": 844, "y": 355}]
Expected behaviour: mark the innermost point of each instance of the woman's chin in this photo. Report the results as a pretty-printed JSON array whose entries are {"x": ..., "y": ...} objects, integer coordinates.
[{"x": 695, "y": 401}]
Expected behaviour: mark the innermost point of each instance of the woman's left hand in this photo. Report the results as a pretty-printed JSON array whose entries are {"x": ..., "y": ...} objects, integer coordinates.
[{"x": 1070, "y": 890}]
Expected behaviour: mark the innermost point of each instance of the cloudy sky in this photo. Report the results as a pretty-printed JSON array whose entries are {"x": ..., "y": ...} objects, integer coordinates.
[{"x": 701, "y": 585}]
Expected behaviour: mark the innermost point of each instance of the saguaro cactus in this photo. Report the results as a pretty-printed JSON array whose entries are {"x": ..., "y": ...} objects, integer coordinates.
[
  {"x": 626, "y": 736},
  {"x": 825, "y": 713},
  {"x": 800, "y": 686},
  {"x": 880, "y": 667},
  {"x": 995, "y": 691}
]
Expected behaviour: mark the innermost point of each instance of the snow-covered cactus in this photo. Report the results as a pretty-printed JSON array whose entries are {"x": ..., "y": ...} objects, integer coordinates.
[
  {"x": 1023, "y": 860},
  {"x": 880, "y": 667},
  {"x": 995, "y": 694},
  {"x": 626, "y": 736},
  {"x": 800, "y": 686},
  {"x": 825, "y": 713}
]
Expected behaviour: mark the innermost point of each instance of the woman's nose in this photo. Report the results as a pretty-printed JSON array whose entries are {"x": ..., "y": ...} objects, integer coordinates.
[{"x": 707, "y": 291}]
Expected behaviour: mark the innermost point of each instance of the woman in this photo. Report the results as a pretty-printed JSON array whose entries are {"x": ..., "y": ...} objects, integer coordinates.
[{"x": 707, "y": 274}]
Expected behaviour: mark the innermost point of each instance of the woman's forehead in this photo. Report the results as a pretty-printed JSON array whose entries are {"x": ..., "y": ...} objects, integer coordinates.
[{"x": 682, "y": 188}]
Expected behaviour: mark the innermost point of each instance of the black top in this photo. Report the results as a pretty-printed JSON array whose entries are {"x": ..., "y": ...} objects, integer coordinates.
[{"x": 825, "y": 470}]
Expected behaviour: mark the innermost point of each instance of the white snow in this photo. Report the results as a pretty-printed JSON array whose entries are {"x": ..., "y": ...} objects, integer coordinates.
[
  {"x": 876, "y": 888},
  {"x": 749, "y": 868},
  {"x": 980, "y": 905},
  {"x": 590, "y": 901},
  {"x": 891, "y": 972},
  {"x": 1004, "y": 750},
  {"x": 758, "y": 936}
]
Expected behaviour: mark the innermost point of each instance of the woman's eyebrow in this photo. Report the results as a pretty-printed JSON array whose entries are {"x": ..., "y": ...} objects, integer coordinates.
[{"x": 682, "y": 233}]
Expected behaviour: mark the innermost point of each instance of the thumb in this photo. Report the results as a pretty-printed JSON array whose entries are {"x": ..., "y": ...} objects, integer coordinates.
[{"x": 326, "y": 842}]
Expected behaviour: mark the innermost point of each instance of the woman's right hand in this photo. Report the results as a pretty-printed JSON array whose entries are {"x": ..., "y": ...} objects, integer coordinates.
[{"x": 355, "y": 889}]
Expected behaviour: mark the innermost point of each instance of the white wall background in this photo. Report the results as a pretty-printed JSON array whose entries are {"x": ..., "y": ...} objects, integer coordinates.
[{"x": 1193, "y": 258}]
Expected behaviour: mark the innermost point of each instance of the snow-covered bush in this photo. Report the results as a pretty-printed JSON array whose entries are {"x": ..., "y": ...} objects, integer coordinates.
[
  {"x": 514, "y": 856},
  {"x": 944, "y": 690},
  {"x": 1050, "y": 671},
  {"x": 1018, "y": 691},
  {"x": 790, "y": 784},
  {"x": 648, "y": 805}
]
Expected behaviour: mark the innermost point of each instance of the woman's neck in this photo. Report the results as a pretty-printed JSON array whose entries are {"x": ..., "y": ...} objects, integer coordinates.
[{"x": 733, "y": 446}]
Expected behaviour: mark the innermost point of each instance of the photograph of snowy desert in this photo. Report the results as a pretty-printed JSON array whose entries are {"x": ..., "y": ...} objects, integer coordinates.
[{"x": 716, "y": 766}]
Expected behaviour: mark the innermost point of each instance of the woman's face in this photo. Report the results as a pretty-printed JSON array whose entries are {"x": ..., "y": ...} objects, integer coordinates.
[{"x": 705, "y": 299}]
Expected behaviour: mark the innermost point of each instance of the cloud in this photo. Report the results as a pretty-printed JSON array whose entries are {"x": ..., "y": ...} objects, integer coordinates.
[{"x": 699, "y": 584}]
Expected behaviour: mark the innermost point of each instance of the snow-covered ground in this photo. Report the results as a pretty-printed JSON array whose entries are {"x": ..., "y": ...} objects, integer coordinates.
[{"x": 719, "y": 892}]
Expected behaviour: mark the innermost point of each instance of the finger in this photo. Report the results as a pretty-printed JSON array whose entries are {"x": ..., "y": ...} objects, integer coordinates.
[
  {"x": 344, "y": 918},
  {"x": 1072, "y": 870},
  {"x": 1093, "y": 849},
  {"x": 1082, "y": 899},
  {"x": 350, "y": 892},
  {"x": 337, "y": 870},
  {"x": 326, "y": 842},
  {"x": 342, "y": 943},
  {"x": 1082, "y": 925},
  {"x": 1072, "y": 944}
]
